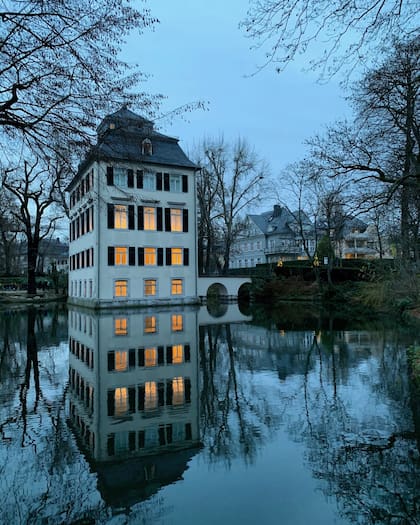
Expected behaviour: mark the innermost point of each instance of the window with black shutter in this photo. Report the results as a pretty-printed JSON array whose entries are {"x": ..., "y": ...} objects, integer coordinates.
[
  {"x": 161, "y": 433},
  {"x": 186, "y": 256},
  {"x": 140, "y": 218},
  {"x": 187, "y": 387},
  {"x": 130, "y": 178},
  {"x": 160, "y": 355},
  {"x": 140, "y": 356},
  {"x": 139, "y": 179},
  {"x": 167, "y": 219},
  {"x": 111, "y": 361},
  {"x": 168, "y": 256},
  {"x": 140, "y": 397},
  {"x": 111, "y": 255},
  {"x": 141, "y": 438},
  {"x": 188, "y": 431},
  {"x": 166, "y": 185},
  {"x": 110, "y": 403},
  {"x": 110, "y": 215},
  {"x": 169, "y": 355},
  {"x": 160, "y": 256},
  {"x": 131, "y": 358},
  {"x": 169, "y": 392},
  {"x": 110, "y": 176},
  {"x": 187, "y": 353},
  {"x": 140, "y": 256},
  {"x": 131, "y": 256},
  {"x": 131, "y": 217},
  {"x": 159, "y": 221},
  {"x": 184, "y": 220},
  {"x": 159, "y": 181},
  {"x": 131, "y": 441},
  {"x": 132, "y": 400},
  {"x": 185, "y": 183}
]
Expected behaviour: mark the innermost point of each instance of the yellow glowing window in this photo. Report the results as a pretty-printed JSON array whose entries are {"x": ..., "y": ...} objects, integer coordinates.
[
  {"x": 176, "y": 220},
  {"x": 177, "y": 354},
  {"x": 150, "y": 357},
  {"x": 176, "y": 286},
  {"x": 121, "y": 288},
  {"x": 121, "y": 401},
  {"x": 120, "y": 217},
  {"x": 176, "y": 256},
  {"x": 149, "y": 218},
  {"x": 150, "y": 395},
  {"x": 121, "y": 255},
  {"x": 121, "y": 326},
  {"x": 177, "y": 322},
  {"x": 150, "y": 287},
  {"x": 178, "y": 391},
  {"x": 121, "y": 361},
  {"x": 150, "y": 325},
  {"x": 150, "y": 256}
]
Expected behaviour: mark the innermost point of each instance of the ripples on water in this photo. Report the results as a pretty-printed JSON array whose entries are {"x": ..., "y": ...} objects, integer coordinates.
[{"x": 175, "y": 416}]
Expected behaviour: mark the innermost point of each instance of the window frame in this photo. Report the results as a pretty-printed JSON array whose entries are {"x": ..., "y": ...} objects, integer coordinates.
[{"x": 121, "y": 280}]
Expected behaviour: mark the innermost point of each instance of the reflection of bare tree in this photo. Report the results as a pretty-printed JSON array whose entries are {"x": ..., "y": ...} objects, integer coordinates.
[
  {"x": 236, "y": 417},
  {"x": 365, "y": 455}
]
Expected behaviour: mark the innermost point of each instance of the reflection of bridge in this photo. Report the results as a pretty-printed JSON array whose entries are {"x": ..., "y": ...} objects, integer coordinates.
[
  {"x": 220, "y": 314},
  {"x": 221, "y": 285}
]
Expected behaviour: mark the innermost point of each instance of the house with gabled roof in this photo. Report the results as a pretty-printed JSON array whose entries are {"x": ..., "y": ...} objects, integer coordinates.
[
  {"x": 271, "y": 237},
  {"x": 133, "y": 218}
]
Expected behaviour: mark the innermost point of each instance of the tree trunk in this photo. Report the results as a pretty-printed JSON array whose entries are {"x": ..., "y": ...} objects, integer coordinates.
[{"x": 32, "y": 258}]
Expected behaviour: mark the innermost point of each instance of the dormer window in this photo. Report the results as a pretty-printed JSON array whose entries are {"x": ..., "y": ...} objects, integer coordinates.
[
  {"x": 112, "y": 125},
  {"x": 146, "y": 147}
]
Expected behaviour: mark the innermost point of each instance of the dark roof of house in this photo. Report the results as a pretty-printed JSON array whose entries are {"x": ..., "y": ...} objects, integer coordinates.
[
  {"x": 280, "y": 220},
  {"x": 120, "y": 138}
]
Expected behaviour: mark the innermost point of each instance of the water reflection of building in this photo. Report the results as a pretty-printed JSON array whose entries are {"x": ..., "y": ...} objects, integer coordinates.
[{"x": 134, "y": 395}]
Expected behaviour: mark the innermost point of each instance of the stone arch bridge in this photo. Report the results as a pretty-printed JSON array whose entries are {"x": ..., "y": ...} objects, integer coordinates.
[{"x": 224, "y": 286}]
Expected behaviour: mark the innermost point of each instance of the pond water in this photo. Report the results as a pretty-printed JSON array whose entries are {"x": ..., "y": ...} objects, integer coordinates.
[{"x": 181, "y": 416}]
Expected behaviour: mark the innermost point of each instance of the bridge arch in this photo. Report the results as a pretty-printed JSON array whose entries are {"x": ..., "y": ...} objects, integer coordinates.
[{"x": 222, "y": 286}]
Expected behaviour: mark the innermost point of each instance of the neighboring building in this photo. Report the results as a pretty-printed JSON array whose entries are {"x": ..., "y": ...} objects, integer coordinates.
[
  {"x": 51, "y": 252},
  {"x": 358, "y": 241},
  {"x": 133, "y": 218},
  {"x": 270, "y": 237}
]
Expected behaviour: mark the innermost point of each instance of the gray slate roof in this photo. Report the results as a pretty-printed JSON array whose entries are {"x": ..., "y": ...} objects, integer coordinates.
[
  {"x": 277, "y": 221},
  {"x": 120, "y": 137}
]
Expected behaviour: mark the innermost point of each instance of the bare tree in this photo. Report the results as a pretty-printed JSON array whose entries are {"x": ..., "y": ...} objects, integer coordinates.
[
  {"x": 346, "y": 31},
  {"x": 382, "y": 144},
  {"x": 34, "y": 187},
  {"x": 9, "y": 231},
  {"x": 60, "y": 67}
]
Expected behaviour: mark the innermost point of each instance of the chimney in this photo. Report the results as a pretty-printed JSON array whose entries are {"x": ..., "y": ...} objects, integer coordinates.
[{"x": 277, "y": 210}]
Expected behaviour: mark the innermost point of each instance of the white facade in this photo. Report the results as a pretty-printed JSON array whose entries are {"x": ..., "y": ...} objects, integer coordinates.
[{"x": 133, "y": 219}]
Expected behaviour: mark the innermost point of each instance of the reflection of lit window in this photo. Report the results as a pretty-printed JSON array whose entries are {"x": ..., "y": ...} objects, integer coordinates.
[
  {"x": 150, "y": 325},
  {"x": 150, "y": 395},
  {"x": 178, "y": 391},
  {"x": 176, "y": 256},
  {"x": 150, "y": 287},
  {"x": 121, "y": 326},
  {"x": 176, "y": 286},
  {"x": 121, "y": 288},
  {"x": 177, "y": 354},
  {"x": 150, "y": 357},
  {"x": 149, "y": 218},
  {"x": 121, "y": 361},
  {"x": 176, "y": 220},
  {"x": 120, "y": 217},
  {"x": 121, "y": 401},
  {"x": 150, "y": 256},
  {"x": 177, "y": 322},
  {"x": 120, "y": 255}
]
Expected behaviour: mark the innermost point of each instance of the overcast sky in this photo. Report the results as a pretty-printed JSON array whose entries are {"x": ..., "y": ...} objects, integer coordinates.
[{"x": 197, "y": 52}]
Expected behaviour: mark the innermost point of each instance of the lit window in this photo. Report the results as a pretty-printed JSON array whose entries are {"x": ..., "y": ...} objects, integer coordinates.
[
  {"x": 121, "y": 401},
  {"x": 120, "y": 177},
  {"x": 150, "y": 395},
  {"x": 150, "y": 256},
  {"x": 121, "y": 326},
  {"x": 121, "y": 361},
  {"x": 176, "y": 287},
  {"x": 176, "y": 256},
  {"x": 150, "y": 325},
  {"x": 149, "y": 181},
  {"x": 120, "y": 217},
  {"x": 150, "y": 357},
  {"x": 121, "y": 255},
  {"x": 175, "y": 183},
  {"x": 149, "y": 218},
  {"x": 177, "y": 323},
  {"x": 121, "y": 288},
  {"x": 178, "y": 391},
  {"x": 176, "y": 220},
  {"x": 177, "y": 354},
  {"x": 150, "y": 287}
]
